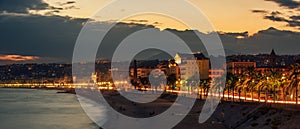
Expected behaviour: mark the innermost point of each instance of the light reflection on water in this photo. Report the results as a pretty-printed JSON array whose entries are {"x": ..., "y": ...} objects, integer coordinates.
[{"x": 41, "y": 109}]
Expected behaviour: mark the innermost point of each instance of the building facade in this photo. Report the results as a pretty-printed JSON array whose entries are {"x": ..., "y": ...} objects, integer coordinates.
[
  {"x": 192, "y": 64},
  {"x": 240, "y": 67}
]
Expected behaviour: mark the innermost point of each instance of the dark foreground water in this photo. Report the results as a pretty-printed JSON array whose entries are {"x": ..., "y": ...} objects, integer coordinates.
[{"x": 41, "y": 109}]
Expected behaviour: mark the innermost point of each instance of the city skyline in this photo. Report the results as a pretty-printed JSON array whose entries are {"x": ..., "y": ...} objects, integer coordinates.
[{"x": 163, "y": 64}]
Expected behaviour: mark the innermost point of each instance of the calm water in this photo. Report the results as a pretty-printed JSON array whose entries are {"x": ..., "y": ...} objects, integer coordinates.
[{"x": 41, "y": 109}]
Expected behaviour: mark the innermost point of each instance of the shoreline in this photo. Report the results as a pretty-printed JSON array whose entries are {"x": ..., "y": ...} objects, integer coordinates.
[
  {"x": 238, "y": 115},
  {"x": 228, "y": 114},
  {"x": 59, "y": 90}
]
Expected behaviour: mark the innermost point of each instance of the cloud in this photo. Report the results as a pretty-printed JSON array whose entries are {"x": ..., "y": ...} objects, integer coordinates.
[
  {"x": 66, "y": 3},
  {"x": 259, "y": 11},
  {"x": 25, "y": 6},
  {"x": 138, "y": 21},
  {"x": 276, "y": 13},
  {"x": 22, "y": 6},
  {"x": 71, "y": 7},
  {"x": 43, "y": 36},
  {"x": 17, "y": 58},
  {"x": 236, "y": 35},
  {"x": 295, "y": 17},
  {"x": 262, "y": 42},
  {"x": 294, "y": 22},
  {"x": 55, "y": 8},
  {"x": 292, "y": 4},
  {"x": 276, "y": 16}
]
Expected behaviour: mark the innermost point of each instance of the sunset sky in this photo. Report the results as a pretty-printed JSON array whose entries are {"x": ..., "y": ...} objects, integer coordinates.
[
  {"x": 225, "y": 15},
  {"x": 46, "y": 30}
]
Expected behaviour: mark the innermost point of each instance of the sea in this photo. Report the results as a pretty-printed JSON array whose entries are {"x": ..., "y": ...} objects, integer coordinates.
[{"x": 41, "y": 109}]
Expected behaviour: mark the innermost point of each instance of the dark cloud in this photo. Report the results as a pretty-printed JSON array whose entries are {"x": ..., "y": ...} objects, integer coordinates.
[
  {"x": 290, "y": 22},
  {"x": 261, "y": 42},
  {"x": 275, "y": 18},
  {"x": 71, "y": 7},
  {"x": 138, "y": 21},
  {"x": 55, "y": 8},
  {"x": 284, "y": 42},
  {"x": 156, "y": 23},
  {"x": 22, "y": 6},
  {"x": 295, "y": 17},
  {"x": 70, "y": 2},
  {"x": 274, "y": 13},
  {"x": 259, "y": 11},
  {"x": 243, "y": 34},
  {"x": 53, "y": 12},
  {"x": 294, "y": 23},
  {"x": 287, "y": 3},
  {"x": 44, "y": 36},
  {"x": 66, "y": 3}
]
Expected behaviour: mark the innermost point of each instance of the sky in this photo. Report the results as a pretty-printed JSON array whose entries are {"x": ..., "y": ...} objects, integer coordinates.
[
  {"x": 46, "y": 30},
  {"x": 225, "y": 15}
]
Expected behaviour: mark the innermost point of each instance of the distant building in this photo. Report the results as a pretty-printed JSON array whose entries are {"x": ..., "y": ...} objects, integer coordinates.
[
  {"x": 239, "y": 67},
  {"x": 141, "y": 72},
  {"x": 273, "y": 63},
  {"x": 174, "y": 69},
  {"x": 216, "y": 73},
  {"x": 187, "y": 64}
]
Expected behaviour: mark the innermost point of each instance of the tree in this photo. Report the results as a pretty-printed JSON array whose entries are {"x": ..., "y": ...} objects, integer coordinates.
[
  {"x": 274, "y": 81},
  {"x": 259, "y": 87},
  {"x": 172, "y": 80},
  {"x": 231, "y": 83},
  {"x": 248, "y": 78},
  {"x": 242, "y": 86},
  {"x": 203, "y": 85},
  {"x": 294, "y": 78}
]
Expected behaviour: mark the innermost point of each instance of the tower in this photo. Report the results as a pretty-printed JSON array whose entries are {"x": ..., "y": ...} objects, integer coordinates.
[
  {"x": 273, "y": 58},
  {"x": 135, "y": 72}
]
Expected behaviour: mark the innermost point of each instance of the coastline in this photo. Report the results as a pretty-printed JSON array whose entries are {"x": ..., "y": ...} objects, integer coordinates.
[
  {"x": 239, "y": 115},
  {"x": 59, "y": 90}
]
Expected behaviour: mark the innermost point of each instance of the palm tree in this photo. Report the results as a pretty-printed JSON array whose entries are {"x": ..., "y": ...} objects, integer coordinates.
[
  {"x": 249, "y": 80},
  {"x": 274, "y": 81},
  {"x": 239, "y": 86},
  {"x": 171, "y": 80},
  {"x": 294, "y": 78},
  {"x": 242, "y": 86},
  {"x": 255, "y": 83},
  {"x": 207, "y": 87},
  {"x": 251, "y": 85},
  {"x": 259, "y": 87},
  {"x": 204, "y": 87},
  {"x": 283, "y": 86},
  {"x": 231, "y": 83}
]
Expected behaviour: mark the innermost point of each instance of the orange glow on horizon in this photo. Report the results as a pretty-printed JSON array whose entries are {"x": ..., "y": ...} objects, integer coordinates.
[{"x": 17, "y": 58}]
